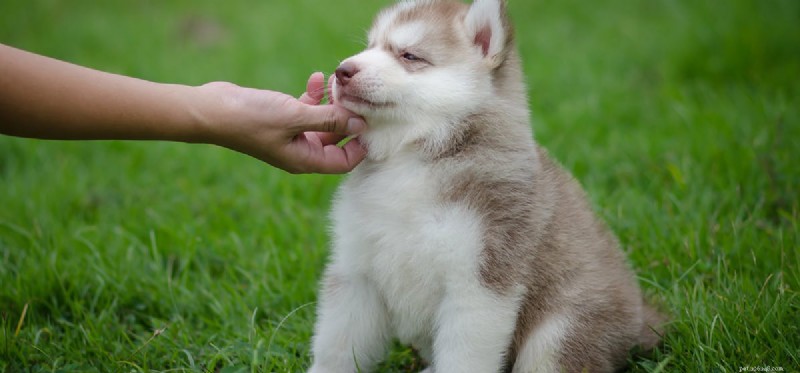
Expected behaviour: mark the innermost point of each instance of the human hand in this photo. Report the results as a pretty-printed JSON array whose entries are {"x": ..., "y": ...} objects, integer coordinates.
[{"x": 296, "y": 135}]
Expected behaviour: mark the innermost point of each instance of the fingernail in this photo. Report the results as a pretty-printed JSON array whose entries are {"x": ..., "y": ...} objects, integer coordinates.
[{"x": 356, "y": 126}]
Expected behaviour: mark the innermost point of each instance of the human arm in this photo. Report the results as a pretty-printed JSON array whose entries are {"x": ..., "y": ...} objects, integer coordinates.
[{"x": 45, "y": 98}]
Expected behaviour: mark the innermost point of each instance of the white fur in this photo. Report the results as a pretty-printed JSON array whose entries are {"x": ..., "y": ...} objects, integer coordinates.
[
  {"x": 407, "y": 35},
  {"x": 486, "y": 14},
  {"x": 539, "y": 354},
  {"x": 353, "y": 330},
  {"x": 405, "y": 264},
  {"x": 385, "y": 18},
  {"x": 424, "y": 103},
  {"x": 409, "y": 269},
  {"x": 429, "y": 100},
  {"x": 417, "y": 253}
]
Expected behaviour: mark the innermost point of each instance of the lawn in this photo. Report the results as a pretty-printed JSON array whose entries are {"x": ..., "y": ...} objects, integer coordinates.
[{"x": 680, "y": 117}]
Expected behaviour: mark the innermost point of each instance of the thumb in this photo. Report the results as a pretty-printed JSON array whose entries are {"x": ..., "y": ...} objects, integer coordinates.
[{"x": 330, "y": 118}]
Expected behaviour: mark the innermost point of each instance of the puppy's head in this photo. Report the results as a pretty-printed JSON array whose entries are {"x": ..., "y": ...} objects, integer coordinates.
[{"x": 426, "y": 59}]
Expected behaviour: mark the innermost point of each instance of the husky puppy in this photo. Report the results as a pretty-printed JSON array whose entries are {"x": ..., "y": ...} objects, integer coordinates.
[{"x": 458, "y": 235}]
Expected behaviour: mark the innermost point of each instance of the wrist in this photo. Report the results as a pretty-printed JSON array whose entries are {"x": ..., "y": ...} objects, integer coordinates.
[{"x": 204, "y": 112}]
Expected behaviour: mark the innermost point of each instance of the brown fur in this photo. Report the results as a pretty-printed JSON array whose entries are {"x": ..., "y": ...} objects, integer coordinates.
[
  {"x": 439, "y": 13},
  {"x": 541, "y": 231}
]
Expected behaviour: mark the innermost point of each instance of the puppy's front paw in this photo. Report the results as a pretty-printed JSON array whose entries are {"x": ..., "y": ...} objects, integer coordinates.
[
  {"x": 328, "y": 368},
  {"x": 316, "y": 369}
]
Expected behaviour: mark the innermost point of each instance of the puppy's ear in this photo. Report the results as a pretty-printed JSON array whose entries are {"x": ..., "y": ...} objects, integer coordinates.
[{"x": 488, "y": 27}]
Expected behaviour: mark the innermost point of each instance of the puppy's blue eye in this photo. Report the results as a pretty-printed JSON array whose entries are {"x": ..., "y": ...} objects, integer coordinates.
[{"x": 410, "y": 57}]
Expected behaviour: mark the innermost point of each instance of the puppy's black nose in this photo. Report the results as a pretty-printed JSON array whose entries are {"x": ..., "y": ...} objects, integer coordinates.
[{"x": 345, "y": 72}]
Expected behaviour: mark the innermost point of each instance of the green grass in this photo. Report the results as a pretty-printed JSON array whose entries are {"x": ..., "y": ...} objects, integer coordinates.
[{"x": 680, "y": 118}]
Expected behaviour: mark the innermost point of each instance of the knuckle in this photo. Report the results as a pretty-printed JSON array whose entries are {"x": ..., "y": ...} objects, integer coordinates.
[{"x": 330, "y": 122}]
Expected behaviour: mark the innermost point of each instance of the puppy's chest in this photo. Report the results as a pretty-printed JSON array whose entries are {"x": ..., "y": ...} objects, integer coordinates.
[
  {"x": 395, "y": 214},
  {"x": 407, "y": 240}
]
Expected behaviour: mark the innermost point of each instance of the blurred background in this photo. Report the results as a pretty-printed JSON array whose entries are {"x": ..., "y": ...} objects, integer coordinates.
[{"x": 679, "y": 117}]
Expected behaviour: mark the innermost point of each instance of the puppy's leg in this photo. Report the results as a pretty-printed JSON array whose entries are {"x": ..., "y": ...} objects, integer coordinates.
[
  {"x": 425, "y": 352},
  {"x": 540, "y": 352},
  {"x": 352, "y": 327},
  {"x": 475, "y": 327}
]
